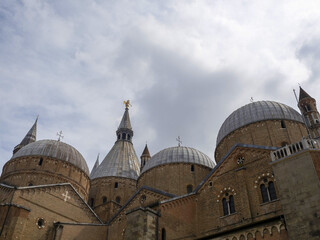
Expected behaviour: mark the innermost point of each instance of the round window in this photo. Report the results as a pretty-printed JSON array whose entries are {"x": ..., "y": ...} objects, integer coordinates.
[{"x": 40, "y": 222}]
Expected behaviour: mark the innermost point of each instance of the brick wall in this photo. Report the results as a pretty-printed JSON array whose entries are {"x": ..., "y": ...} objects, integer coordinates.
[
  {"x": 264, "y": 133},
  {"x": 299, "y": 190}
]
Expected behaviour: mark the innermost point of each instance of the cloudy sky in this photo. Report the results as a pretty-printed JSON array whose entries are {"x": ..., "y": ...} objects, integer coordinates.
[{"x": 184, "y": 65}]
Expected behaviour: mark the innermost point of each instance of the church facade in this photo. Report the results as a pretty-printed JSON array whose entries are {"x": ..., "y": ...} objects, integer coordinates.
[{"x": 263, "y": 184}]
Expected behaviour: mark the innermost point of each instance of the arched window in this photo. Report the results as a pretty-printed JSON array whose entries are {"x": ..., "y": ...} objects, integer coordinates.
[
  {"x": 192, "y": 168},
  {"x": 128, "y": 137},
  {"x": 123, "y": 136},
  {"x": 40, "y": 162},
  {"x": 264, "y": 193},
  {"x": 272, "y": 191},
  {"x": 268, "y": 191},
  {"x": 163, "y": 234},
  {"x": 189, "y": 188},
  {"x": 116, "y": 185},
  {"x": 118, "y": 199},
  {"x": 118, "y": 136},
  {"x": 104, "y": 199},
  {"x": 308, "y": 108},
  {"x": 283, "y": 125},
  {"x": 92, "y": 202},
  {"x": 228, "y": 205}
]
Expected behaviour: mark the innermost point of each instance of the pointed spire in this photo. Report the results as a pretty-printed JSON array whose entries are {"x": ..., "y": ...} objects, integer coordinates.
[
  {"x": 96, "y": 165},
  {"x": 125, "y": 122},
  {"x": 145, "y": 157},
  {"x": 303, "y": 94},
  {"x": 145, "y": 152},
  {"x": 124, "y": 131},
  {"x": 29, "y": 138}
]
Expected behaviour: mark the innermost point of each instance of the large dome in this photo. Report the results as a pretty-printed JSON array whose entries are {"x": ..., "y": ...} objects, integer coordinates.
[
  {"x": 54, "y": 149},
  {"x": 178, "y": 155},
  {"x": 254, "y": 112}
]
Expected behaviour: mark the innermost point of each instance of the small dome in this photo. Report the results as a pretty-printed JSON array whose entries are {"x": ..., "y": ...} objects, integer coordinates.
[
  {"x": 255, "y": 112},
  {"x": 54, "y": 149},
  {"x": 178, "y": 155}
]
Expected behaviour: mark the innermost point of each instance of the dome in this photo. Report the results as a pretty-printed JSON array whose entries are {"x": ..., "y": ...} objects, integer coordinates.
[
  {"x": 257, "y": 111},
  {"x": 54, "y": 149},
  {"x": 178, "y": 155},
  {"x": 121, "y": 161}
]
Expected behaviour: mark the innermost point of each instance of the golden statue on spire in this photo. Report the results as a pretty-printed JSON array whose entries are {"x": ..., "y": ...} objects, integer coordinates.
[{"x": 127, "y": 103}]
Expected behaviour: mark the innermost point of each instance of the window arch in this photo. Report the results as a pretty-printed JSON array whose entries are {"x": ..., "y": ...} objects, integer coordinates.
[
  {"x": 104, "y": 199},
  {"x": 163, "y": 234},
  {"x": 268, "y": 191},
  {"x": 40, "y": 161},
  {"x": 118, "y": 199},
  {"x": 189, "y": 188},
  {"x": 283, "y": 125},
  {"x": 92, "y": 202},
  {"x": 308, "y": 108},
  {"x": 124, "y": 136},
  {"x": 228, "y": 205},
  {"x": 192, "y": 168}
]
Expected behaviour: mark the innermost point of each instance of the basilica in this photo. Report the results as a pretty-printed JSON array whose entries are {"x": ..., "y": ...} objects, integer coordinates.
[{"x": 262, "y": 184}]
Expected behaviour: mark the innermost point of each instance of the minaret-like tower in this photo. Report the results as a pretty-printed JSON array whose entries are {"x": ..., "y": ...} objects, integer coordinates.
[
  {"x": 29, "y": 138},
  {"x": 145, "y": 157},
  {"x": 114, "y": 180},
  {"x": 308, "y": 108}
]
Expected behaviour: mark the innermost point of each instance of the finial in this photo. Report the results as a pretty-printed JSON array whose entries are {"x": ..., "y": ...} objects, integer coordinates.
[
  {"x": 179, "y": 141},
  {"x": 251, "y": 99},
  {"x": 127, "y": 103},
  {"x": 60, "y": 136}
]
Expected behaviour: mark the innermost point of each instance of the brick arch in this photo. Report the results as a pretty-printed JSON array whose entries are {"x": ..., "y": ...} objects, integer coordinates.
[{"x": 250, "y": 236}]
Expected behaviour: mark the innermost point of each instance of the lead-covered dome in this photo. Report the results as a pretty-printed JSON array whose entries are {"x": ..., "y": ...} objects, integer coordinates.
[
  {"x": 255, "y": 112},
  {"x": 178, "y": 155},
  {"x": 54, "y": 149}
]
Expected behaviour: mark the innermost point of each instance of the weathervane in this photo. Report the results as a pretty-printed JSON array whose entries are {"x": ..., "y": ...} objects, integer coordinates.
[
  {"x": 127, "y": 103},
  {"x": 60, "y": 135},
  {"x": 179, "y": 141}
]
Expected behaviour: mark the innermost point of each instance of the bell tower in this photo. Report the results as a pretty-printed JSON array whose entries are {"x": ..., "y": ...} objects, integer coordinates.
[{"x": 308, "y": 108}]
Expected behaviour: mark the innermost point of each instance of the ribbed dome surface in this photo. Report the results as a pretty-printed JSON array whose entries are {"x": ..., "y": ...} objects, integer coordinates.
[
  {"x": 178, "y": 155},
  {"x": 121, "y": 161},
  {"x": 54, "y": 149},
  {"x": 254, "y": 112}
]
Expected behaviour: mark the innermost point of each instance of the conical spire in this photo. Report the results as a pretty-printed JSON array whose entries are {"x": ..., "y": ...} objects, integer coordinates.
[
  {"x": 122, "y": 160},
  {"x": 145, "y": 152},
  {"x": 145, "y": 157},
  {"x": 96, "y": 165},
  {"x": 125, "y": 122},
  {"x": 29, "y": 138},
  {"x": 124, "y": 131},
  {"x": 303, "y": 94}
]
